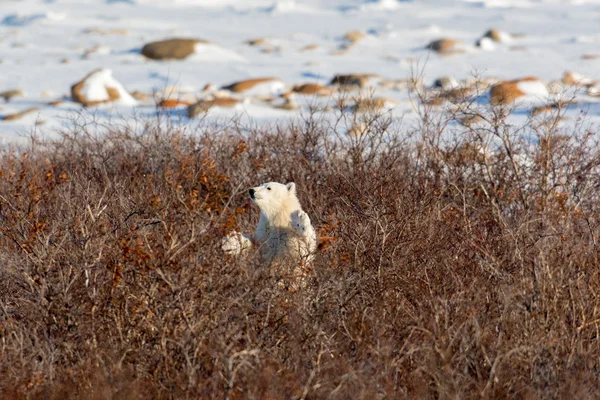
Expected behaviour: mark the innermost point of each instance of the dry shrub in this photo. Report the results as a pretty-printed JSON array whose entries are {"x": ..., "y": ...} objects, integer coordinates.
[{"x": 461, "y": 264}]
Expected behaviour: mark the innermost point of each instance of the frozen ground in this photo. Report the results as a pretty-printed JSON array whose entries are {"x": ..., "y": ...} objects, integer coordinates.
[{"x": 48, "y": 45}]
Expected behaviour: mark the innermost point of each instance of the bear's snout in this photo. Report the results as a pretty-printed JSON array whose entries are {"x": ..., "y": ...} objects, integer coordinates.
[{"x": 251, "y": 191}]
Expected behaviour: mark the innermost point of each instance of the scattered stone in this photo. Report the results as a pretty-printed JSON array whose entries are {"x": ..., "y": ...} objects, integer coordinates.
[
  {"x": 374, "y": 105},
  {"x": 575, "y": 79},
  {"x": 203, "y": 106},
  {"x": 505, "y": 92},
  {"x": 458, "y": 94},
  {"x": 99, "y": 87},
  {"x": 15, "y": 116},
  {"x": 354, "y": 36},
  {"x": 139, "y": 95},
  {"x": 498, "y": 36},
  {"x": 257, "y": 42},
  {"x": 257, "y": 86},
  {"x": 508, "y": 92},
  {"x": 590, "y": 56},
  {"x": 176, "y": 49},
  {"x": 445, "y": 83},
  {"x": 313, "y": 89},
  {"x": 310, "y": 47},
  {"x": 594, "y": 89},
  {"x": 455, "y": 95},
  {"x": 8, "y": 95},
  {"x": 172, "y": 103},
  {"x": 271, "y": 49},
  {"x": 470, "y": 120},
  {"x": 289, "y": 102},
  {"x": 444, "y": 46},
  {"x": 434, "y": 101},
  {"x": 542, "y": 110},
  {"x": 356, "y": 80}
]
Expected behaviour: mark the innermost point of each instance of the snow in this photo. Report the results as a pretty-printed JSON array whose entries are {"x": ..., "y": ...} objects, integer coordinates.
[
  {"x": 96, "y": 84},
  {"x": 47, "y": 46},
  {"x": 534, "y": 88}
]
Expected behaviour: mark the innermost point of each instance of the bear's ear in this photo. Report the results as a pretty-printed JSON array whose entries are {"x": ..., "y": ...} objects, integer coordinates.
[{"x": 291, "y": 187}]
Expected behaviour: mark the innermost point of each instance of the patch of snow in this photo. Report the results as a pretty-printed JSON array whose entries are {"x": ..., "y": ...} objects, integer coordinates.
[
  {"x": 94, "y": 88},
  {"x": 486, "y": 44},
  {"x": 212, "y": 53}
]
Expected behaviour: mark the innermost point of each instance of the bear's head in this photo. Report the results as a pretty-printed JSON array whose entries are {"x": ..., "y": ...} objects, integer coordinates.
[{"x": 274, "y": 198}]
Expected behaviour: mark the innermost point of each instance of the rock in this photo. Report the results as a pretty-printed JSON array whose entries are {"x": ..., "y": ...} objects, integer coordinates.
[
  {"x": 590, "y": 56},
  {"x": 312, "y": 89},
  {"x": 542, "y": 110},
  {"x": 55, "y": 103},
  {"x": 354, "y": 36},
  {"x": 374, "y": 104},
  {"x": 257, "y": 87},
  {"x": 455, "y": 95},
  {"x": 360, "y": 80},
  {"x": 172, "y": 103},
  {"x": 594, "y": 89},
  {"x": 444, "y": 46},
  {"x": 100, "y": 87},
  {"x": 508, "y": 92},
  {"x": 139, "y": 95},
  {"x": 204, "y": 105},
  {"x": 257, "y": 42},
  {"x": 574, "y": 79},
  {"x": 445, "y": 83},
  {"x": 8, "y": 95},
  {"x": 310, "y": 47},
  {"x": 15, "y": 116},
  {"x": 505, "y": 92},
  {"x": 435, "y": 101},
  {"x": 470, "y": 120},
  {"x": 498, "y": 36},
  {"x": 289, "y": 102},
  {"x": 176, "y": 48}
]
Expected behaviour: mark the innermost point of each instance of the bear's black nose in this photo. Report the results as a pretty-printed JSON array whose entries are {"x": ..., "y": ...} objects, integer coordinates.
[{"x": 251, "y": 191}]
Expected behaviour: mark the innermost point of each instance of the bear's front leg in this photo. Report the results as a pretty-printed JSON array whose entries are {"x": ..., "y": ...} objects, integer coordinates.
[
  {"x": 236, "y": 243},
  {"x": 301, "y": 224},
  {"x": 303, "y": 227}
]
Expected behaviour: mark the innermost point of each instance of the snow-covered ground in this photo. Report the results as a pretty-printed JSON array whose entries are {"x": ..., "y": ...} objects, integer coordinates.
[{"x": 46, "y": 46}]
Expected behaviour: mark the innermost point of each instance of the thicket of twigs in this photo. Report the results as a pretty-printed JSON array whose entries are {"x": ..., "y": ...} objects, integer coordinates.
[{"x": 456, "y": 265}]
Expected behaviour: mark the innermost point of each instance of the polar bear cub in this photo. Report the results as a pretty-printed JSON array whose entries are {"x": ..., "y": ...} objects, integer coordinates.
[{"x": 284, "y": 230}]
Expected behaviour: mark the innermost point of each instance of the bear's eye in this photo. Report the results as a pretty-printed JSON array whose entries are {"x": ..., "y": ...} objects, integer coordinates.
[{"x": 268, "y": 188}]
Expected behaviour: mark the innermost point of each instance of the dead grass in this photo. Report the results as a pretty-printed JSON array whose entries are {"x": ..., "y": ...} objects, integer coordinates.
[{"x": 459, "y": 266}]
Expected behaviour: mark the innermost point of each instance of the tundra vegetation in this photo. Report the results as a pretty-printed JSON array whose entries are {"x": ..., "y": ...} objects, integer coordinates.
[{"x": 458, "y": 259}]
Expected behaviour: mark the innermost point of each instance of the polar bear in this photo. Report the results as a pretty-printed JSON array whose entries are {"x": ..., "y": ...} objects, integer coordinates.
[{"x": 284, "y": 230}]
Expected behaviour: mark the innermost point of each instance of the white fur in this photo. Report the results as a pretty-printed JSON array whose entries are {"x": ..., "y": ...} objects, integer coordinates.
[{"x": 284, "y": 231}]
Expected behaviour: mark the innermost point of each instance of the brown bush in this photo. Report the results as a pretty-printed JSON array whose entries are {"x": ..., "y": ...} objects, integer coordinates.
[{"x": 456, "y": 265}]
